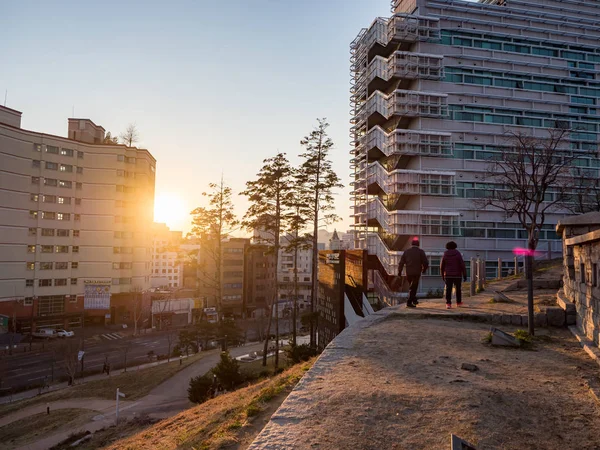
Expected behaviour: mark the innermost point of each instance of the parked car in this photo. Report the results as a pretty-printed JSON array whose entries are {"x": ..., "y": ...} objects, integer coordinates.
[
  {"x": 64, "y": 333},
  {"x": 45, "y": 333}
]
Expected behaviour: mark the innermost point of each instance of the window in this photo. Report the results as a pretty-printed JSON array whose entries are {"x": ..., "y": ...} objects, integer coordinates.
[
  {"x": 77, "y": 201},
  {"x": 116, "y": 249},
  {"x": 60, "y": 282},
  {"x": 33, "y": 214},
  {"x": 36, "y": 163},
  {"x": 66, "y": 168},
  {"x": 47, "y": 231},
  {"x": 28, "y": 301},
  {"x": 62, "y": 249},
  {"x": 73, "y": 283},
  {"x": 37, "y": 147},
  {"x": 30, "y": 266},
  {"x": 51, "y": 304},
  {"x": 80, "y": 155},
  {"x": 28, "y": 283},
  {"x": 62, "y": 233},
  {"x": 32, "y": 231},
  {"x": 79, "y": 169},
  {"x": 130, "y": 160},
  {"x": 78, "y": 186},
  {"x": 31, "y": 249},
  {"x": 74, "y": 265},
  {"x": 46, "y": 266},
  {"x": 120, "y": 173},
  {"x": 66, "y": 152},
  {"x": 170, "y": 271},
  {"x": 51, "y": 165},
  {"x": 75, "y": 249},
  {"x": 77, "y": 217},
  {"x": 120, "y": 188},
  {"x": 44, "y": 282},
  {"x": 35, "y": 180},
  {"x": 120, "y": 158},
  {"x": 234, "y": 250},
  {"x": 48, "y": 215},
  {"x": 65, "y": 184},
  {"x": 34, "y": 197},
  {"x": 50, "y": 182},
  {"x": 49, "y": 198},
  {"x": 52, "y": 149},
  {"x": 63, "y": 216},
  {"x": 75, "y": 233}
]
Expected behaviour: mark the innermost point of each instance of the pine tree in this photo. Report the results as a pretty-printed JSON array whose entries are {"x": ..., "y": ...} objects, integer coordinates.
[
  {"x": 270, "y": 197},
  {"x": 212, "y": 225},
  {"x": 317, "y": 174}
]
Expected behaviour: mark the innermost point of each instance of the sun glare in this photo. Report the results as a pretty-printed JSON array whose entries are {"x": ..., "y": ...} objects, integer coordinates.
[{"x": 170, "y": 209}]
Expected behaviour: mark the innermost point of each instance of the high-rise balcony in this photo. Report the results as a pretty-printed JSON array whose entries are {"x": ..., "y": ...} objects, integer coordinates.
[
  {"x": 417, "y": 104},
  {"x": 407, "y": 142},
  {"x": 411, "y": 28},
  {"x": 405, "y": 65}
]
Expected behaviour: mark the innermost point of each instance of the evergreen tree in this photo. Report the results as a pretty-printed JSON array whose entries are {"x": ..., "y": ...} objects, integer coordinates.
[
  {"x": 270, "y": 197},
  {"x": 316, "y": 173}
]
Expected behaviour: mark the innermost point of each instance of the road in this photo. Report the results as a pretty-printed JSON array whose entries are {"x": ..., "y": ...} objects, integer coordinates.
[{"x": 30, "y": 369}]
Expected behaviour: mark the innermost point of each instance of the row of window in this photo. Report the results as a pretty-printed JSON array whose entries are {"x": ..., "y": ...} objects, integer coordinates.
[
  {"x": 579, "y": 94},
  {"x": 51, "y": 215},
  {"x": 233, "y": 274},
  {"x": 52, "y": 248},
  {"x": 127, "y": 159},
  {"x": 56, "y": 183},
  {"x": 122, "y": 249},
  {"x": 48, "y": 282},
  {"x": 56, "y": 166},
  {"x": 123, "y": 188},
  {"x": 166, "y": 271},
  {"x": 52, "y": 265},
  {"x": 232, "y": 297},
  {"x": 519, "y": 44},
  {"x": 125, "y": 219},
  {"x": 56, "y": 151},
  {"x": 233, "y": 250},
  {"x": 53, "y": 199},
  {"x": 50, "y": 232},
  {"x": 233, "y": 285}
]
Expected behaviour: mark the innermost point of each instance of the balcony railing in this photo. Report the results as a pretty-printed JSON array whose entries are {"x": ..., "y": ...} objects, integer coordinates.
[{"x": 405, "y": 65}]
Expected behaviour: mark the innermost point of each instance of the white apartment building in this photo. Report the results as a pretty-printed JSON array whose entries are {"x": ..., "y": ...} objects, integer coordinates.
[
  {"x": 167, "y": 258},
  {"x": 73, "y": 212},
  {"x": 436, "y": 88},
  {"x": 285, "y": 274}
]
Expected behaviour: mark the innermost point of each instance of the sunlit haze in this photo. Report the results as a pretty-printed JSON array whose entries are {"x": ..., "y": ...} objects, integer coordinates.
[{"x": 213, "y": 87}]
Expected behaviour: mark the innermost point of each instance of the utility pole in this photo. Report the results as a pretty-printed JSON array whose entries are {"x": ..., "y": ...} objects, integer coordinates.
[{"x": 119, "y": 394}]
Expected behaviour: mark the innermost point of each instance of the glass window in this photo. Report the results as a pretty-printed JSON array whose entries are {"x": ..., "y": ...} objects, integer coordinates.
[
  {"x": 62, "y": 233},
  {"x": 47, "y": 231},
  {"x": 61, "y": 265},
  {"x": 75, "y": 249},
  {"x": 62, "y": 249},
  {"x": 51, "y": 149},
  {"x": 74, "y": 265},
  {"x": 51, "y": 165},
  {"x": 60, "y": 282},
  {"x": 28, "y": 283},
  {"x": 66, "y": 152},
  {"x": 31, "y": 249}
]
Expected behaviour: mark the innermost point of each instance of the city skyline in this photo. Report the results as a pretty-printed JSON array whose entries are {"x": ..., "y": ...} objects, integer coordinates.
[{"x": 155, "y": 69}]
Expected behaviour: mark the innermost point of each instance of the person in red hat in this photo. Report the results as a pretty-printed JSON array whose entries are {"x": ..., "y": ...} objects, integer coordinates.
[{"x": 416, "y": 263}]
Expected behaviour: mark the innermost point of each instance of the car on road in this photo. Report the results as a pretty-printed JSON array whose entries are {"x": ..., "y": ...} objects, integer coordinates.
[
  {"x": 64, "y": 333},
  {"x": 45, "y": 333}
]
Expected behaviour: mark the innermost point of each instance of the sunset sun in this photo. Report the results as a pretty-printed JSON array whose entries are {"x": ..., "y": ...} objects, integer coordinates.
[{"x": 170, "y": 209}]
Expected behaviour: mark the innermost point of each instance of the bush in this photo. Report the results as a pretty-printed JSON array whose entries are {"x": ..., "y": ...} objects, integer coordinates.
[
  {"x": 228, "y": 371},
  {"x": 176, "y": 351},
  {"x": 298, "y": 353},
  {"x": 199, "y": 389}
]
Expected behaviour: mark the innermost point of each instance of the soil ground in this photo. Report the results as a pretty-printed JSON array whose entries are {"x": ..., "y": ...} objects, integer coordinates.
[{"x": 400, "y": 386}]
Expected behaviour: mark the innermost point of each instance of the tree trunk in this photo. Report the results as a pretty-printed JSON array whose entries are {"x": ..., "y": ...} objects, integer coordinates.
[
  {"x": 266, "y": 346},
  {"x": 315, "y": 282},
  {"x": 295, "y": 304},
  {"x": 529, "y": 276}
]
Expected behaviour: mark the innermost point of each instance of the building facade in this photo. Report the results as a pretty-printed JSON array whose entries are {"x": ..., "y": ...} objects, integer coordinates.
[
  {"x": 436, "y": 89},
  {"x": 259, "y": 280},
  {"x": 73, "y": 212},
  {"x": 167, "y": 257}
]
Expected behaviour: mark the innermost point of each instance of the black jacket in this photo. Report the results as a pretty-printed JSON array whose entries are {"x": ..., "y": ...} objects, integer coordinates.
[{"x": 415, "y": 261}]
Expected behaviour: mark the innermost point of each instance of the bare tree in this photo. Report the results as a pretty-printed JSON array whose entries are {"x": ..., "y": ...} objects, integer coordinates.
[
  {"x": 531, "y": 178},
  {"x": 125, "y": 347},
  {"x": 130, "y": 136},
  {"x": 212, "y": 225},
  {"x": 171, "y": 336},
  {"x": 317, "y": 174},
  {"x": 137, "y": 307},
  {"x": 67, "y": 351},
  {"x": 110, "y": 140},
  {"x": 586, "y": 191}
]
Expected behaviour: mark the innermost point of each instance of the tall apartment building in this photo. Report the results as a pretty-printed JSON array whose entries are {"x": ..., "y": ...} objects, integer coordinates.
[
  {"x": 167, "y": 257},
  {"x": 285, "y": 275},
  {"x": 259, "y": 279},
  {"x": 72, "y": 211},
  {"x": 435, "y": 90}
]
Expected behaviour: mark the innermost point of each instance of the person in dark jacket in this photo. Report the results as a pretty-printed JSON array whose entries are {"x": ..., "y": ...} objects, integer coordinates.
[
  {"x": 453, "y": 271},
  {"x": 416, "y": 263}
]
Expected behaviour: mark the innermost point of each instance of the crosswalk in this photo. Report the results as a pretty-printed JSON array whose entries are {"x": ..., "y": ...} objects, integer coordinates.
[{"x": 112, "y": 336}]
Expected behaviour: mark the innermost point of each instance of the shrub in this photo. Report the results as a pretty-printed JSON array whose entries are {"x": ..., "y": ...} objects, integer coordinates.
[
  {"x": 176, "y": 351},
  {"x": 199, "y": 389},
  {"x": 299, "y": 353},
  {"x": 228, "y": 371}
]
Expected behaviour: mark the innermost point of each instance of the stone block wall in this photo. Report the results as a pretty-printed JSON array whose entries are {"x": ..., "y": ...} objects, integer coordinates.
[{"x": 581, "y": 278}]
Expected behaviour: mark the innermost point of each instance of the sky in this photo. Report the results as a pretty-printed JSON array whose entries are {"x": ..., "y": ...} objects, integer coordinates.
[{"x": 214, "y": 87}]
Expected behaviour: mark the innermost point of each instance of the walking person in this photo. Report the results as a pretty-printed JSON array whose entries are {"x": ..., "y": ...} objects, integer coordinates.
[
  {"x": 416, "y": 264},
  {"x": 453, "y": 271}
]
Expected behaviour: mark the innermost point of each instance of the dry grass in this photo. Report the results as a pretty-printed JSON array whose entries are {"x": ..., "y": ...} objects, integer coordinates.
[
  {"x": 136, "y": 384},
  {"x": 32, "y": 428},
  {"x": 227, "y": 420}
]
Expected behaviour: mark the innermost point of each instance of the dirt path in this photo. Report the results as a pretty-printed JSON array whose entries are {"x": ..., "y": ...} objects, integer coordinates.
[{"x": 399, "y": 384}]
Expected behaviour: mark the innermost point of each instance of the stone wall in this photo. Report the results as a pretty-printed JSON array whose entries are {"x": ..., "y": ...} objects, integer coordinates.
[{"x": 581, "y": 245}]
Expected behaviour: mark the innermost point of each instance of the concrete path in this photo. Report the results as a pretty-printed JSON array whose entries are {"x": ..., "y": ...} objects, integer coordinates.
[{"x": 165, "y": 400}]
